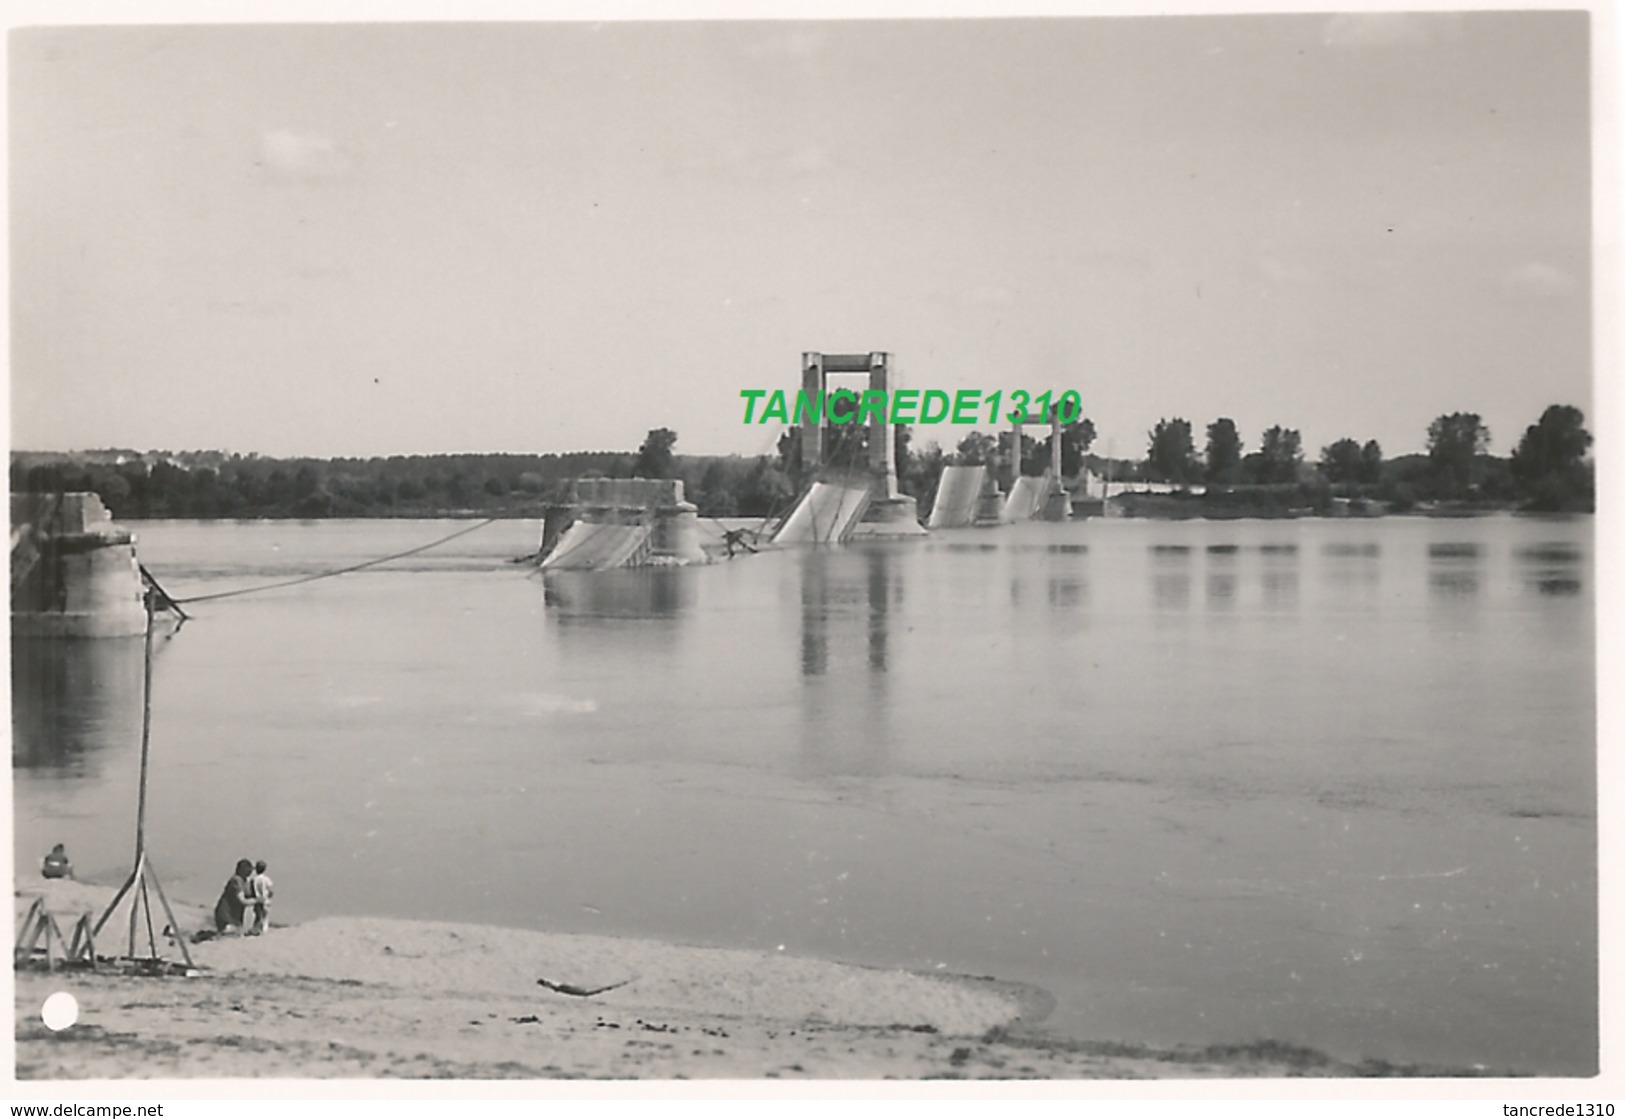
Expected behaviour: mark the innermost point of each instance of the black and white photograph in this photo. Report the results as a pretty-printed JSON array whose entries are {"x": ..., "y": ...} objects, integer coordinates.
[{"x": 1028, "y": 547}]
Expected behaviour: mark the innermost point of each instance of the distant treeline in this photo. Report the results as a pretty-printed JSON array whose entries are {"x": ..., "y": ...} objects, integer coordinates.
[
  {"x": 135, "y": 485},
  {"x": 1549, "y": 470},
  {"x": 211, "y": 484}
]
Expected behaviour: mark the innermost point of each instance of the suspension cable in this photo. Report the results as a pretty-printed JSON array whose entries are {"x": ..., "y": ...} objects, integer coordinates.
[{"x": 338, "y": 571}]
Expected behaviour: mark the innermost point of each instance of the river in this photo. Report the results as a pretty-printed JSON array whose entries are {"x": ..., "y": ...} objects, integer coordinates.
[{"x": 1327, "y": 782}]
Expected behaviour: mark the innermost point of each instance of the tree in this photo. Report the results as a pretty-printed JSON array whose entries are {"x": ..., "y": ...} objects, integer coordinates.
[
  {"x": 1453, "y": 442},
  {"x": 924, "y": 471},
  {"x": 715, "y": 477},
  {"x": 1557, "y": 444},
  {"x": 712, "y": 487},
  {"x": 1341, "y": 462},
  {"x": 789, "y": 447},
  {"x": 1031, "y": 464},
  {"x": 113, "y": 489},
  {"x": 767, "y": 490},
  {"x": 171, "y": 488},
  {"x": 976, "y": 449},
  {"x": 305, "y": 482},
  {"x": 846, "y": 445},
  {"x": 458, "y": 488},
  {"x": 655, "y": 458},
  {"x": 1371, "y": 462},
  {"x": 1280, "y": 450},
  {"x": 1550, "y": 461},
  {"x": 1223, "y": 451},
  {"x": 1171, "y": 455},
  {"x": 720, "y": 503},
  {"x": 902, "y": 442},
  {"x": 713, "y": 491},
  {"x": 1076, "y": 438}
]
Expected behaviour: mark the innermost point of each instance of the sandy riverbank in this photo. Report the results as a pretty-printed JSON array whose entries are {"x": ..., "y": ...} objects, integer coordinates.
[{"x": 374, "y": 997}]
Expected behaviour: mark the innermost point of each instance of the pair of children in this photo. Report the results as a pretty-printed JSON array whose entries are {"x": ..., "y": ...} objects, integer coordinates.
[{"x": 247, "y": 892}]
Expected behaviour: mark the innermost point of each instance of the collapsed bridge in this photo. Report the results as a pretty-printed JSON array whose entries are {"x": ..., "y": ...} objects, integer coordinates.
[{"x": 621, "y": 522}]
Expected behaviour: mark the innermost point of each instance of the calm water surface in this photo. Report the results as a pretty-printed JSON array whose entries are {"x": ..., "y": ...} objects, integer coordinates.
[{"x": 1327, "y": 782}]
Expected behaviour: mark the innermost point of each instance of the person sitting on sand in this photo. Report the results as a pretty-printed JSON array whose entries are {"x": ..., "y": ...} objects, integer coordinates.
[
  {"x": 57, "y": 864},
  {"x": 259, "y": 896},
  {"x": 229, "y": 910}
]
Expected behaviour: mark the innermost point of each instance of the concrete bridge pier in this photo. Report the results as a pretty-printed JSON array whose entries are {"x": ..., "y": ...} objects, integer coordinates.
[
  {"x": 1057, "y": 503},
  {"x": 73, "y": 571},
  {"x": 622, "y": 522},
  {"x": 990, "y": 502}
]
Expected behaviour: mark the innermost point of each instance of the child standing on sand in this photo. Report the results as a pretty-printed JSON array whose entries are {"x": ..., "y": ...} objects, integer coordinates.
[{"x": 259, "y": 896}]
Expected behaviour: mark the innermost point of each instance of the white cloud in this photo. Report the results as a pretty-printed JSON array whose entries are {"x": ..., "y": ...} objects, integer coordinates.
[
  {"x": 302, "y": 155},
  {"x": 321, "y": 268},
  {"x": 989, "y": 295},
  {"x": 802, "y": 42},
  {"x": 1283, "y": 272},
  {"x": 1387, "y": 29},
  {"x": 1538, "y": 280},
  {"x": 810, "y": 159}
]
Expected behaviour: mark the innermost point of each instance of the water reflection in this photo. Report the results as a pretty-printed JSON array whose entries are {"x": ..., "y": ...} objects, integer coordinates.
[
  {"x": 814, "y": 615},
  {"x": 1350, "y": 551},
  {"x": 1171, "y": 591},
  {"x": 1048, "y": 549},
  {"x": 1062, "y": 591},
  {"x": 1067, "y": 591},
  {"x": 831, "y": 596},
  {"x": 72, "y": 699},
  {"x": 1280, "y": 588},
  {"x": 1555, "y": 552},
  {"x": 1549, "y": 568},
  {"x": 1453, "y": 570},
  {"x": 884, "y": 590},
  {"x": 845, "y": 712},
  {"x": 1453, "y": 583},
  {"x": 1221, "y": 590},
  {"x": 1352, "y": 565},
  {"x": 644, "y": 592},
  {"x": 1279, "y": 577}
]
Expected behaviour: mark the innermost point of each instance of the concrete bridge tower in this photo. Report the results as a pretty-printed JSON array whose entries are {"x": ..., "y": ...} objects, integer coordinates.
[{"x": 889, "y": 512}]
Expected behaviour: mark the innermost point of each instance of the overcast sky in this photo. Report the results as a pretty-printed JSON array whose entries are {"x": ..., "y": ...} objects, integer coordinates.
[{"x": 380, "y": 239}]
